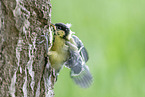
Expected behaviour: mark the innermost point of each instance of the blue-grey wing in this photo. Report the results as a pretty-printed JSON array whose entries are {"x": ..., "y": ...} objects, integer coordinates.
[
  {"x": 74, "y": 62},
  {"x": 79, "y": 71},
  {"x": 80, "y": 46},
  {"x": 84, "y": 79}
]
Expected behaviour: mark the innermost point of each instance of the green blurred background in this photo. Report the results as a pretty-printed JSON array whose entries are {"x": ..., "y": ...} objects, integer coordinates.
[{"x": 113, "y": 32}]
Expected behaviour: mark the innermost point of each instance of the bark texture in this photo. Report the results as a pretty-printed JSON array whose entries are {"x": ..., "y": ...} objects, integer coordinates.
[{"x": 24, "y": 66}]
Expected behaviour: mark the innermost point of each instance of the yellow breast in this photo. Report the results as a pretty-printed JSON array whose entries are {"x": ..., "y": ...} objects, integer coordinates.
[{"x": 60, "y": 53}]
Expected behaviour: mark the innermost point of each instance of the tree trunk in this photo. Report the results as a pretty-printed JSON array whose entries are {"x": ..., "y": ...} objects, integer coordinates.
[{"x": 24, "y": 66}]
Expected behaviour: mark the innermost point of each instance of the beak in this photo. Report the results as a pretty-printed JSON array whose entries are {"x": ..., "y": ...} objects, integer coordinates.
[{"x": 54, "y": 27}]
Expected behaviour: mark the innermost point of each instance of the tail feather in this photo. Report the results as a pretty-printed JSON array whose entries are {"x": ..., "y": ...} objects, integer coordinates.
[{"x": 84, "y": 78}]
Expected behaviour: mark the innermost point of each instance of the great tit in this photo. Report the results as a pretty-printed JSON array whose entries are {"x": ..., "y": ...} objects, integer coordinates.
[{"x": 67, "y": 49}]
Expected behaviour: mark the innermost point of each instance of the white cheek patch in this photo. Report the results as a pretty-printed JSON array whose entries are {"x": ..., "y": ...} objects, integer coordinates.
[
  {"x": 69, "y": 36},
  {"x": 70, "y": 33}
]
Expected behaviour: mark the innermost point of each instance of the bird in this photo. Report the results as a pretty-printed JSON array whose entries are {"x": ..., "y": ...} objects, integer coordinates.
[{"x": 68, "y": 50}]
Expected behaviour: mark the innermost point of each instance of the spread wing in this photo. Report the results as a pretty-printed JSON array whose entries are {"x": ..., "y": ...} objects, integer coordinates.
[
  {"x": 75, "y": 61},
  {"x": 81, "y": 48},
  {"x": 79, "y": 70}
]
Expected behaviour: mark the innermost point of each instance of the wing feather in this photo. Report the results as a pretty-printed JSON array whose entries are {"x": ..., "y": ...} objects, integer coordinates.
[
  {"x": 83, "y": 52},
  {"x": 79, "y": 70}
]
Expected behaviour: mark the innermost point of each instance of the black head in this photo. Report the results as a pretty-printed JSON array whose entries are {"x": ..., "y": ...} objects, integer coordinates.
[{"x": 61, "y": 26}]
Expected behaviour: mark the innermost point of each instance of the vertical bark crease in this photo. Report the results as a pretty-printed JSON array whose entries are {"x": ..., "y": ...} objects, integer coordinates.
[{"x": 24, "y": 67}]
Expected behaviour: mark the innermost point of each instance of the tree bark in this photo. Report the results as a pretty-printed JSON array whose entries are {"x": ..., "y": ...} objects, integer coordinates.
[{"x": 24, "y": 66}]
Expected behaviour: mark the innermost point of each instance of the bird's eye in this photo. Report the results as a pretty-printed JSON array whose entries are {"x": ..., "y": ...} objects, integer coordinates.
[{"x": 58, "y": 27}]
